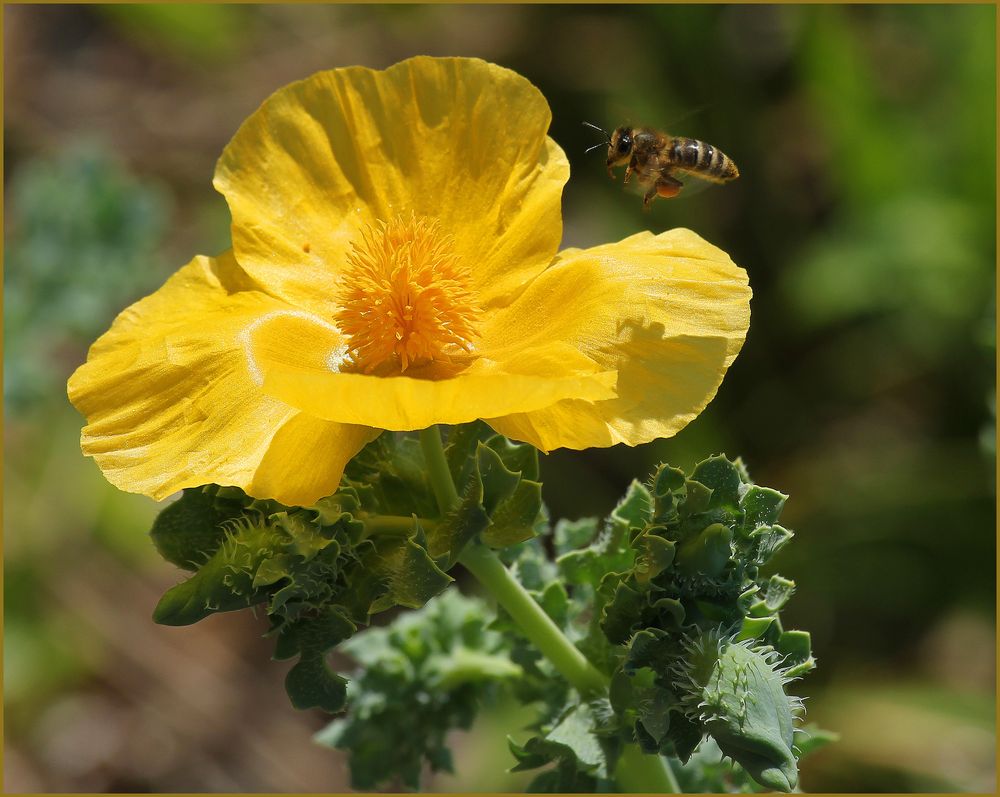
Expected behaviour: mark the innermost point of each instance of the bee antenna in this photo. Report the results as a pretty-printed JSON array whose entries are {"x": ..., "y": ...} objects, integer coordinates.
[
  {"x": 599, "y": 130},
  {"x": 602, "y": 131}
]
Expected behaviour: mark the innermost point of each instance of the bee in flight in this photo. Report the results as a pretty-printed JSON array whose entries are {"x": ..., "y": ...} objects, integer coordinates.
[{"x": 654, "y": 157}]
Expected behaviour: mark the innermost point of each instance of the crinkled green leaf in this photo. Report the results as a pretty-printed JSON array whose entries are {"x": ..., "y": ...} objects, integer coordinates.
[
  {"x": 722, "y": 477},
  {"x": 778, "y": 592},
  {"x": 225, "y": 582},
  {"x": 569, "y": 535},
  {"x": 390, "y": 476},
  {"x": 796, "y": 647},
  {"x": 499, "y": 481},
  {"x": 446, "y": 539},
  {"x": 517, "y": 457},
  {"x": 707, "y": 552},
  {"x": 460, "y": 448},
  {"x": 575, "y": 732},
  {"x": 514, "y": 519},
  {"x": 654, "y": 554},
  {"x": 311, "y": 682},
  {"x": 635, "y": 510},
  {"x": 622, "y": 613},
  {"x": 411, "y": 575},
  {"x": 421, "y": 677},
  {"x": 495, "y": 502},
  {"x": 762, "y": 506},
  {"x": 188, "y": 531}
]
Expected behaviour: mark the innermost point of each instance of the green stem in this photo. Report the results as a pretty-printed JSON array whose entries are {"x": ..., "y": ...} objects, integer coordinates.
[
  {"x": 533, "y": 621},
  {"x": 437, "y": 466},
  {"x": 394, "y": 525},
  {"x": 639, "y": 772},
  {"x": 636, "y": 771}
]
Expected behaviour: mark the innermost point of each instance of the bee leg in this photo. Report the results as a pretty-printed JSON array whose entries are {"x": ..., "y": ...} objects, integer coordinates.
[
  {"x": 628, "y": 173},
  {"x": 665, "y": 186}
]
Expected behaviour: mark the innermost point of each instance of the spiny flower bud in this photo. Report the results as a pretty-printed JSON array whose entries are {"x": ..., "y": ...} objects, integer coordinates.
[{"x": 735, "y": 691}]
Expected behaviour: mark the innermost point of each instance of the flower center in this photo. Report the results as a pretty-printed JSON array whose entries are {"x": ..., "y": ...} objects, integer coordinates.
[{"x": 406, "y": 298}]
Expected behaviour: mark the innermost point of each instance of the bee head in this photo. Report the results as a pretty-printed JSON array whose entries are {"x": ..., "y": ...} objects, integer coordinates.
[{"x": 620, "y": 146}]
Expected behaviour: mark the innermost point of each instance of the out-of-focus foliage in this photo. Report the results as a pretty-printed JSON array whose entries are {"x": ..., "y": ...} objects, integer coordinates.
[
  {"x": 417, "y": 680},
  {"x": 82, "y": 240},
  {"x": 865, "y": 214}
]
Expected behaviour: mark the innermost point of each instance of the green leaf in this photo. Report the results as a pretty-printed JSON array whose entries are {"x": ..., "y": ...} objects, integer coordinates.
[
  {"x": 575, "y": 732},
  {"x": 390, "y": 476},
  {"x": 514, "y": 519},
  {"x": 796, "y": 647},
  {"x": 654, "y": 554},
  {"x": 494, "y": 502},
  {"x": 707, "y": 552},
  {"x": 779, "y": 591},
  {"x": 569, "y": 742},
  {"x": 572, "y": 534},
  {"x": 635, "y": 510},
  {"x": 188, "y": 531},
  {"x": 311, "y": 682},
  {"x": 722, "y": 477},
  {"x": 420, "y": 677},
  {"x": 446, "y": 539},
  {"x": 225, "y": 582},
  {"x": 408, "y": 570},
  {"x": 498, "y": 481},
  {"x": 460, "y": 448},
  {"x": 762, "y": 506},
  {"x": 622, "y": 613},
  {"x": 754, "y": 628},
  {"x": 609, "y": 553},
  {"x": 520, "y": 458},
  {"x": 767, "y": 541}
]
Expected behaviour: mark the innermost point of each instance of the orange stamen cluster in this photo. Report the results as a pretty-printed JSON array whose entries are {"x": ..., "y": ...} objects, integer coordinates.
[{"x": 406, "y": 298}]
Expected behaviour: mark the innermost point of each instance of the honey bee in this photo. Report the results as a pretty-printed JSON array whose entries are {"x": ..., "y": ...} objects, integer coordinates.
[{"x": 654, "y": 157}]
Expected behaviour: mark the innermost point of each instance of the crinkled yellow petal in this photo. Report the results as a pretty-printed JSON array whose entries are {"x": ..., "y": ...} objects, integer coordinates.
[
  {"x": 172, "y": 397},
  {"x": 668, "y": 312},
  {"x": 297, "y": 357},
  {"x": 454, "y": 139}
]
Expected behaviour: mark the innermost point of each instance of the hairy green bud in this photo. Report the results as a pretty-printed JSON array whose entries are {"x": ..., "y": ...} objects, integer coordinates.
[{"x": 735, "y": 691}]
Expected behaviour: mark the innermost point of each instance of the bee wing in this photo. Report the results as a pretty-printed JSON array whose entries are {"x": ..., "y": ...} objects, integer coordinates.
[{"x": 694, "y": 183}]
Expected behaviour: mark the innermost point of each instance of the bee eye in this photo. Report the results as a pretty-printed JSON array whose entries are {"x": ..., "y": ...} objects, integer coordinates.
[{"x": 625, "y": 144}]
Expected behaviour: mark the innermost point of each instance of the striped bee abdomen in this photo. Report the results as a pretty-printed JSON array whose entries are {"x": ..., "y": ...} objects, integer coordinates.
[{"x": 703, "y": 159}]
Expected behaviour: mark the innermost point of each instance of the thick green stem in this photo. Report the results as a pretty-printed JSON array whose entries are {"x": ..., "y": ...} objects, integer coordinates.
[
  {"x": 636, "y": 771},
  {"x": 394, "y": 525},
  {"x": 533, "y": 621},
  {"x": 437, "y": 467}
]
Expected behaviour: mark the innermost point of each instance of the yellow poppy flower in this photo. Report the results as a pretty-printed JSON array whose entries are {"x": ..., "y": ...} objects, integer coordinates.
[{"x": 394, "y": 266}]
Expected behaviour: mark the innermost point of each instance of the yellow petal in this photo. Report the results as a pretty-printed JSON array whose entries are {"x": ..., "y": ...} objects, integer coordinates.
[
  {"x": 454, "y": 139},
  {"x": 172, "y": 397},
  {"x": 668, "y": 312},
  {"x": 297, "y": 358}
]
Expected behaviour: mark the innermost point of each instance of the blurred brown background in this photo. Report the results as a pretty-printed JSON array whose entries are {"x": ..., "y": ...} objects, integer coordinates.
[{"x": 865, "y": 214}]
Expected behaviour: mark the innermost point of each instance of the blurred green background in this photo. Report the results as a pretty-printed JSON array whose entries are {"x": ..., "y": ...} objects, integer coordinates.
[{"x": 865, "y": 215}]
